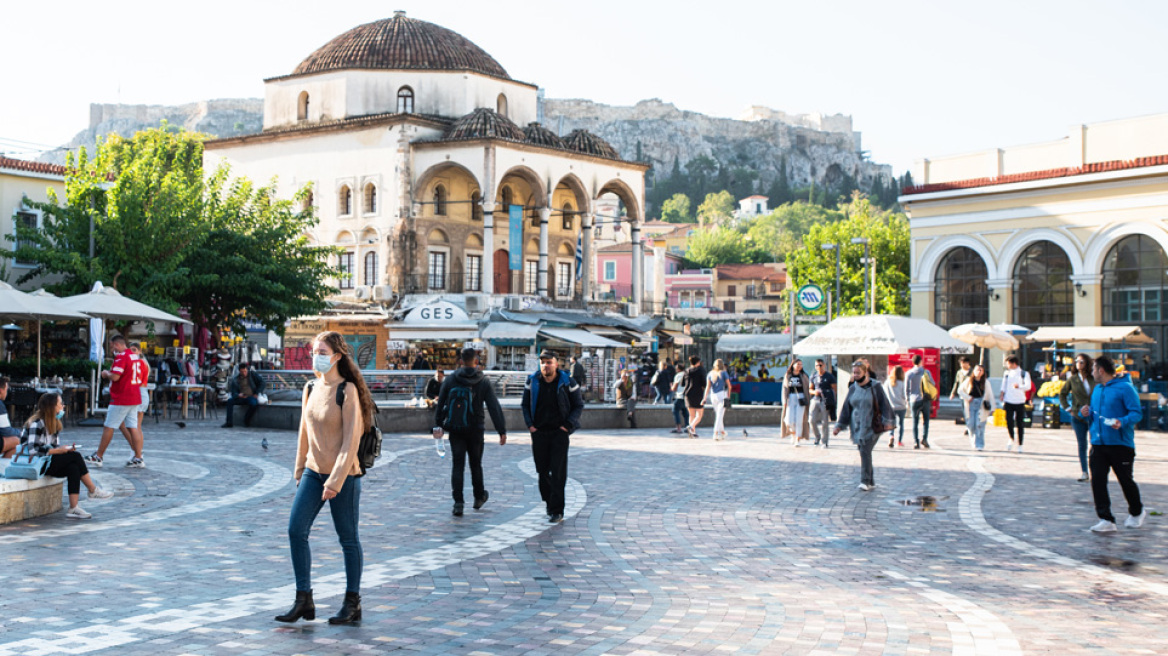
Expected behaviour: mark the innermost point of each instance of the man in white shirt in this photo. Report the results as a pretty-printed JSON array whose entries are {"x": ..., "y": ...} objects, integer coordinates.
[{"x": 1015, "y": 385}]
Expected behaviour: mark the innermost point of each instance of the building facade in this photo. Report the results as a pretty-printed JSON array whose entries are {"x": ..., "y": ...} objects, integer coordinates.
[
  {"x": 22, "y": 181},
  {"x": 410, "y": 137},
  {"x": 751, "y": 287},
  {"x": 1070, "y": 232}
]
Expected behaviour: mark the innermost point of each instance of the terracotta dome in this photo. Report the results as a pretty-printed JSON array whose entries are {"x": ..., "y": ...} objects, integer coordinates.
[
  {"x": 539, "y": 135},
  {"x": 484, "y": 123},
  {"x": 401, "y": 43},
  {"x": 585, "y": 142}
]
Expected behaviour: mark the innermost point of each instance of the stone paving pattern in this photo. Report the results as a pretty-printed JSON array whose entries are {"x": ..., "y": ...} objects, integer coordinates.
[{"x": 673, "y": 546}]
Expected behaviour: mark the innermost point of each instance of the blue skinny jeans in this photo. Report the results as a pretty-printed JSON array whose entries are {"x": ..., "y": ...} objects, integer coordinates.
[
  {"x": 345, "y": 508},
  {"x": 680, "y": 412}
]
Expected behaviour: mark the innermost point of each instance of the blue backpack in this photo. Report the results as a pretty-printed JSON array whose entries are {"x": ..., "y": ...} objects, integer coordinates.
[{"x": 459, "y": 409}]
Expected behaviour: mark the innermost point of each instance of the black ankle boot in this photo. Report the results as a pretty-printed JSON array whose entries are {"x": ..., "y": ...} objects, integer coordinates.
[
  {"x": 303, "y": 608},
  {"x": 350, "y": 610}
]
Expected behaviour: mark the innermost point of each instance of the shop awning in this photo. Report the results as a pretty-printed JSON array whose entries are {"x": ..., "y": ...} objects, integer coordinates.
[
  {"x": 580, "y": 337},
  {"x": 1090, "y": 334},
  {"x": 446, "y": 333},
  {"x": 510, "y": 332},
  {"x": 768, "y": 343}
]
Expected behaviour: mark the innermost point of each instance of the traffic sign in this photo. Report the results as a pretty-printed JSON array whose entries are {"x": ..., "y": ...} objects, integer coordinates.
[
  {"x": 810, "y": 318},
  {"x": 810, "y": 297}
]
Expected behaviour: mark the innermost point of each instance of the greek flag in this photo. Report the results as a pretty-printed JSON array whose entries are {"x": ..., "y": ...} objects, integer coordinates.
[{"x": 579, "y": 255}]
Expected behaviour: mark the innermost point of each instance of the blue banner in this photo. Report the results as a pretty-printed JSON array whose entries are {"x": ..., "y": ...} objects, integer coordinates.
[{"x": 516, "y": 239}]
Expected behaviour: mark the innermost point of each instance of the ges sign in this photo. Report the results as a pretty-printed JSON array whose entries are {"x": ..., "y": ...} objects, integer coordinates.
[{"x": 440, "y": 312}]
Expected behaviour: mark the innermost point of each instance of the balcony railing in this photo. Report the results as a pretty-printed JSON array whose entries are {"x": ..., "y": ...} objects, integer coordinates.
[{"x": 421, "y": 283}]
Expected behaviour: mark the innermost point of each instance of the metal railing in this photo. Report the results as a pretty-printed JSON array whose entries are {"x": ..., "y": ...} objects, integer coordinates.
[
  {"x": 389, "y": 385},
  {"x": 417, "y": 283}
]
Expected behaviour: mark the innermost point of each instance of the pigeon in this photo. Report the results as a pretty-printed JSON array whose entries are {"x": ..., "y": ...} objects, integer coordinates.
[
  {"x": 744, "y": 433},
  {"x": 180, "y": 424},
  {"x": 264, "y": 444}
]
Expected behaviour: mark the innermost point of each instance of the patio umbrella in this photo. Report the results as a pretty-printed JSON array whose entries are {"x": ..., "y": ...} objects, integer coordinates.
[
  {"x": 109, "y": 304},
  {"x": 878, "y": 334},
  {"x": 37, "y": 306},
  {"x": 984, "y": 336},
  {"x": 1013, "y": 329}
]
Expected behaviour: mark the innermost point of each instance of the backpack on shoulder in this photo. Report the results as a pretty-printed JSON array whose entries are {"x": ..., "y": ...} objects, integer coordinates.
[
  {"x": 459, "y": 409},
  {"x": 369, "y": 449}
]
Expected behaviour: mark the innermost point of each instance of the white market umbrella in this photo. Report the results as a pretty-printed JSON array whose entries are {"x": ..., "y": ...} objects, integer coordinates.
[
  {"x": 1013, "y": 329},
  {"x": 984, "y": 336},
  {"x": 36, "y": 306},
  {"x": 878, "y": 334},
  {"x": 109, "y": 304}
]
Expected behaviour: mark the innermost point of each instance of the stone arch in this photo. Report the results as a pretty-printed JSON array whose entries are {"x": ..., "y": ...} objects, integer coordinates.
[
  {"x": 474, "y": 241},
  {"x": 1102, "y": 243},
  {"x": 426, "y": 179},
  {"x": 345, "y": 238},
  {"x": 566, "y": 249},
  {"x": 579, "y": 192},
  {"x": 437, "y": 236},
  {"x": 621, "y": 190},
  {"x": 927, "y": 268},
  {"x": 370, "y": 235},
  {"x": 532, "y": 246},
  {"x": 530, "y": 178},
  {"x": 501, "y": 105},
  {"x": 1018, "y": 243}
]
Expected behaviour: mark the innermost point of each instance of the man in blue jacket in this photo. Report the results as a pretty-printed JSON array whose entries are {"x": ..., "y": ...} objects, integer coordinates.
[
  {"x": 552, "y": 403},
  {"x": 1113, "y": 415}
]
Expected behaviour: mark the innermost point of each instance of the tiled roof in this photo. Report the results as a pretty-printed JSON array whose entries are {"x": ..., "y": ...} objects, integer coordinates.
[
  {"x": 401, "y": 43},
  {"x": 1096, "y": 167},
  {"x": 586, "y": 142},
  {"x": 484, "y": 123},
  {"x": 32, "y": 167},
  {"x": 749, "y": 272},
  {"x": 627, "y": 247},
  {"x": 538, "y": 134}
]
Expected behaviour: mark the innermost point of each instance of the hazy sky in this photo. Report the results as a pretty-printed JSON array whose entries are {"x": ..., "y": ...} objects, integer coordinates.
[{"x": 919, "y": 78}]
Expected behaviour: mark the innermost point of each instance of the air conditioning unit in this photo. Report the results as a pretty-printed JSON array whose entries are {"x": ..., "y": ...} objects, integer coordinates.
[
  {"x": 476, "y": 303},
  {"x": 631, "y": 310},
  {"x": 382, "y": 293},
  {"x": 513, "y": 303},
  {"x": 363, "y": 293}
]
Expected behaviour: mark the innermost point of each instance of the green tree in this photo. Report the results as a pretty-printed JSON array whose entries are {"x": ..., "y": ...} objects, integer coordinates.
[
  {"x": 716, "y": 209},
  {"x": 677, "y": 209},
  {"x": 888, "y": 236},
  {"x": 782, "y": 231},
  {"x": 710, "y": 247}
]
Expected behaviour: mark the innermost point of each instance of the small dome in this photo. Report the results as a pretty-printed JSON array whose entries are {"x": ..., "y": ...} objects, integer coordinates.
[
  {"x": 585, "y": 142},
  {"x": 484, "y": 123},
  {"x": 401, "y": 43},
  {"x": 541, "y": 136}
]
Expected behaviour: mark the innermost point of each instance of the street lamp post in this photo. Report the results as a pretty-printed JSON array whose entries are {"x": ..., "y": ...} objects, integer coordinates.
[
  {"x": 866, "y": 261},
  {"x": 836, "y": 248}
]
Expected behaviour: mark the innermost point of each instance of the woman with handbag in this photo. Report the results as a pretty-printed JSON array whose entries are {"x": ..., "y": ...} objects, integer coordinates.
[
  {"x": 866, "y": 413},
  {"x": 42, "y": 435},
  {"x": 718, "y": 393},
  {"x": 1078, "y": 388},
  {"x": 897, "y": 392},
  {"x": 796, "y": 390},
  {"x": 337, "y": 408},
  {"x": 979, "y": 405}
]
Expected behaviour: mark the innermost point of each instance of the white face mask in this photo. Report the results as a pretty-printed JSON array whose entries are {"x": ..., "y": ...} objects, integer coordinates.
[{"x": 322, "y": 363}]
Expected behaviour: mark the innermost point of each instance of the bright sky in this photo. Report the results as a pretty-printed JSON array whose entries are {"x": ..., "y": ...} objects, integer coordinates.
[{"x": 920, "y": 78}]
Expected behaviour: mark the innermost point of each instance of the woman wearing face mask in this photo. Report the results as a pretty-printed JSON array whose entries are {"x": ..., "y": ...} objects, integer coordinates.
[
  {"x": 42, "y": 434},
  {"x": 327, "y": 469}
]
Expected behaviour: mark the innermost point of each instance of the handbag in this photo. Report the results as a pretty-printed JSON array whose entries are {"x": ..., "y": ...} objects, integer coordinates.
[
  {"x": 262, "y": 398},
  {"x": 927, "y": 388},
  {"x": 726, "y": 402},
  {"x": 32, "y": 469}
]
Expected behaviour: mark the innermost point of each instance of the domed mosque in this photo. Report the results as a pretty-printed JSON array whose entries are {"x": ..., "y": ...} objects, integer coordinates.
[{"x": 410, "y": 137}]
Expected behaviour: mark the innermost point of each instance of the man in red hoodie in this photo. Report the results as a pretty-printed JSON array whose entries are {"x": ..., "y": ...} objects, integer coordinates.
[{"x": 125, "y": 399}]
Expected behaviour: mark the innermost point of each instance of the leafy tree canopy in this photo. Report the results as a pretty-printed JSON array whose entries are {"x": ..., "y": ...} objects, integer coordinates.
[
  {"x": 677, "y": 209},
  {"x": 782, "y": 231},
  {"x": 716, "y": 245},
  {"x": 717, "y": 208}
]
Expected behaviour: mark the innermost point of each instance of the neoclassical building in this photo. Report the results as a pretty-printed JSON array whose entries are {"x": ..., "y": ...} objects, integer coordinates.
[
  {"x": 429, "y": 169},
  {"x": 1070, "y": 232}
]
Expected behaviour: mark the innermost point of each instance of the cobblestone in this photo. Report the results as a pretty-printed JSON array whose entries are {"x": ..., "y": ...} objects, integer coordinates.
[{"x": 671, "y": 546}]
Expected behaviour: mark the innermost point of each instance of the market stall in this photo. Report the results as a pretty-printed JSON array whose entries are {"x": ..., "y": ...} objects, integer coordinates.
[
  {"x": 750, "y": 350},
  {"x": 436, "y": 333}
]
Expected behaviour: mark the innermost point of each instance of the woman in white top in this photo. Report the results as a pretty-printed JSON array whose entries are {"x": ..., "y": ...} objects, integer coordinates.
[
  {"x": 42, "y": 436},
  {"x": 796, "y": 390},
  {"x": 897, "y": 392},
  {"x": 717, "y": 391}
]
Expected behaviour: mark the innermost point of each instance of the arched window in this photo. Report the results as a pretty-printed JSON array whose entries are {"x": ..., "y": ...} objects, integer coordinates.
[
  {"x": 1043, "y": 293},
  {"x": 960, "y": 291},
  {"x": 568, "y": 213},
  {"x": 476, "y": 207},
  {"x": 345, "y": 201},
  {"x": 302, "y": 106},
  {"x": 501, "y": 106},
  {"x": 506, "y": 200},
  {"x": 440, "y": 200},
  {"x": 371, "y": 268},
  {"x": 370, "y": 198},
  {"x": 1135, "y": 290},
  {"x": 405, "y": 100}
]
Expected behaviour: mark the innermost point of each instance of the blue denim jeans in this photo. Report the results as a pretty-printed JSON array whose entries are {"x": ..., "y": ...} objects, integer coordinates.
[
  {"x": 973, "y": 410},
  {"x": 345, "y": 508},
  {"x": 680, "y": 412},
  {"x": 900, "y": 422},
  {"x": 1081, "y": 427}
]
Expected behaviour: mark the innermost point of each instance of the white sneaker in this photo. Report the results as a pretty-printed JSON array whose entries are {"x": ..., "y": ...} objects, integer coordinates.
[
  {"x": 101, "y": 494},
  {"x": 77, "y": 513},
  {"x": 1084, "y": 477},
  {"x": 1136, "y": 521},
  {"x": 865, "y": 487},
  {"x": 1019, "y": 448},
  {"x": 1009, "y": 447},
  {"x": 1105, "y": 526},
  {"x": 136, "y": 463}
]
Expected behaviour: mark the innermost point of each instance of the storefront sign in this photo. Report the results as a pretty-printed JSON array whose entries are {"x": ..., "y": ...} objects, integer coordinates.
[
  {"x": 440, "y": 312},
  {"x": 683, "y": 340},
  {"x": 478, "y": 346},
  {"x": 396, "y": 345},
  {"x": 515, "y": 242}
]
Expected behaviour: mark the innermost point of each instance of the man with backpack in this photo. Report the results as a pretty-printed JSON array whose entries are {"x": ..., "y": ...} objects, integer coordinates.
[{"x": 460, "y": 412}]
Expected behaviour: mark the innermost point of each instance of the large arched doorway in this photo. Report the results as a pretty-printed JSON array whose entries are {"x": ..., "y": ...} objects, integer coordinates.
[
  {"x": 959, "y": 296},
  {"x": 1043, "y": 293},
  {"x": 1135, "y": 293},
  {"x": 502, "y": 272}
]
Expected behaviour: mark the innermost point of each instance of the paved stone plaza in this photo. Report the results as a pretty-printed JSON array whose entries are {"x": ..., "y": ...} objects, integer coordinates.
[{"x": 671, "y": 546}]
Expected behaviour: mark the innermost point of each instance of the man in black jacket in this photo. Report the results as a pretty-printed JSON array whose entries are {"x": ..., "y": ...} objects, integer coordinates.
[
  {"x": 245, "y": 388},
  {"x": 552, "y": 404},
  {"x": 463, "y": 414},
  {"x": 434, "y": 385}
]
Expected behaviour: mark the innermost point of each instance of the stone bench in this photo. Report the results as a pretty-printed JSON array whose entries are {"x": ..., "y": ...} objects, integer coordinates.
[{"x": 21, "y": 499}]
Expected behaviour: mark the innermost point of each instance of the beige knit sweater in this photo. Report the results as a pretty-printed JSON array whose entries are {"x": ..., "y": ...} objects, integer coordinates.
[{"x": 330, "y": 434}]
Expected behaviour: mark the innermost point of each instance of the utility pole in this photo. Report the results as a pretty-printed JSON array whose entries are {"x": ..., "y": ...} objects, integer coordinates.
[{"x": 867, "y": 252}]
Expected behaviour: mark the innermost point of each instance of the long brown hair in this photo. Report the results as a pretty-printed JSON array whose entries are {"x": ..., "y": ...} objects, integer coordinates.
[
  {"x": 46, "y": 411},
  {"x": 347, "y": 368},
  {"x": 897, "y": 374}
]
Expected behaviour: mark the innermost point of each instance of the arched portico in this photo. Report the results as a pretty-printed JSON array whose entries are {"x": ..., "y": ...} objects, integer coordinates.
[
  {"x": 927, "y": 266},
  {"x": 1019, "y": 243}
]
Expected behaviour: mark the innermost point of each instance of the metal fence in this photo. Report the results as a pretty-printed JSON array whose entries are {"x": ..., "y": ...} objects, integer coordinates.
[{"x": 395, "y": 385}]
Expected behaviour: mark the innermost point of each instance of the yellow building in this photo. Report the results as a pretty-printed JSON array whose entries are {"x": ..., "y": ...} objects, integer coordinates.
[
  {"x": 1070, "y": 232},
  {"x": 21, "y": 180}
]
